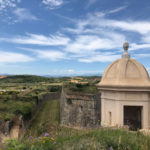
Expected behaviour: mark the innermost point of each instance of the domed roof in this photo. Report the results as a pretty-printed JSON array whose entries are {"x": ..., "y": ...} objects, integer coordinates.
[{"x": 125, "y": 72}]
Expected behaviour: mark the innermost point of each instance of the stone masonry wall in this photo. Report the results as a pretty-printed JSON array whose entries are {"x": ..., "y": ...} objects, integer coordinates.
[{"x": 80, "y": 110}]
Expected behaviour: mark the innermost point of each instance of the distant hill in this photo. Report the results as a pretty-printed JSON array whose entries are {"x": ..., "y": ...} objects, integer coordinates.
[
  {"x": 35, "y": 79},
  {"x": 26, "y": 79}
]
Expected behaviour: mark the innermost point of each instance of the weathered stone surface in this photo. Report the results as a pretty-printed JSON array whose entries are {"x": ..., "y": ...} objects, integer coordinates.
[
  {"x": 12, "y": 128},
  {"x": 80, "y": 110}
]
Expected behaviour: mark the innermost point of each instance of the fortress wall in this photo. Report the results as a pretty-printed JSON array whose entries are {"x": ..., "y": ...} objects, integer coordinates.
[{"x": 80, "y": 110}]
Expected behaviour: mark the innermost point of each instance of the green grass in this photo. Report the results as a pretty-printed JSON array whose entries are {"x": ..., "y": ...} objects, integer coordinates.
[
  {"x": 46, "y": 119},
  {"x": 104, "y": 138},
  {"x": 98, "y": 139}
]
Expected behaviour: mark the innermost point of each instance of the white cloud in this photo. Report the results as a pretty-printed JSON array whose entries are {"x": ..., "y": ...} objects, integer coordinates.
[
  {"x": 81, "y": 56},
  {"x": 38, "y": 39},
  {"x": 141, "y": 27},
  {"x": 100, "y": 58},
  {"x": 107, "y": 12},
  {"x": 72, "y": 72},
  {"x": 116, "y": 10},
  {"x": 62, "y": 72},
  {"x": 135, "y": 46},
  {"x": 90, "y": 2},
  {"x": 141, "y": 55},
  {"x": 53, "y": 3},
  {"x": 85, "y": 43},
  {"x": 89, "y": 39},
  {"x": 50, "y": 55},
  {"x": 23, "y": 14},
  {"x": 146, "y": 38},
  {"x": 10, "y": 57},
  {"x": 97, "y": 33},
  {"x": 4, "y": 4},
  {"x": 99, "y": 21}
]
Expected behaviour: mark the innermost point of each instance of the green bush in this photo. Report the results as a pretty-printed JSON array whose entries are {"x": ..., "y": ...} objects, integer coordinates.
[
  {"x": 85, "y": 88},
  {"x": 54, "y": 88},
  {"x": 11, "y": 105},
  {"x": 14, "y": 144}
]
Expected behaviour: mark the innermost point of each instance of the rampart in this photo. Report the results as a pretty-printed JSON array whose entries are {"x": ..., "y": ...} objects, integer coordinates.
[{"x": 80, "y": 109}]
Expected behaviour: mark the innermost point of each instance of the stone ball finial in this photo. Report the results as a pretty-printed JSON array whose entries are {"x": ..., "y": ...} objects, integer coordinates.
[
  {"x": 125, "y": 45},
  {"x": 125, "y": 54}
]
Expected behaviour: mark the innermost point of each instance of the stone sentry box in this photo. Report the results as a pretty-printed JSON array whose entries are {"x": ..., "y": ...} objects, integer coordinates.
[
  {"x": 125, "y": 94},
  {"x": 80, "y": 110}
]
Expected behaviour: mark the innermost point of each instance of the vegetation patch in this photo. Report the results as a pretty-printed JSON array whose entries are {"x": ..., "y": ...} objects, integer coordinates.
[
  {"x": 11, "y": 107},
  {"x": 84, "y": 88}
]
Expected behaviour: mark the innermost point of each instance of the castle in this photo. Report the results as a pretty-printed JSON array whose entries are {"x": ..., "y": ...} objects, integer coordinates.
[{"x": 124, "y": 98}]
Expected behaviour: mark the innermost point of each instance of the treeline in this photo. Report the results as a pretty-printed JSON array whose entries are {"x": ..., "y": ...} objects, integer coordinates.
[
  {"x": 30, "y": 79},
  {"x": 35, "y": 79}
]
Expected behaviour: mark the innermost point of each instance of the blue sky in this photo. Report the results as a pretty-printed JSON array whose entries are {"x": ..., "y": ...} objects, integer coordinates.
[{"x": 67, "y": 37}]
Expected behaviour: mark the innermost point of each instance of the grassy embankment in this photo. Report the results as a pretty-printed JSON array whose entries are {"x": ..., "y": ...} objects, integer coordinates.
[{"x": 61, "y": 138}]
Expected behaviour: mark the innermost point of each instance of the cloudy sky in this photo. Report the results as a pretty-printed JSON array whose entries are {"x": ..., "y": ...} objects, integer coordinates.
[{"x": 66, "y": 37}]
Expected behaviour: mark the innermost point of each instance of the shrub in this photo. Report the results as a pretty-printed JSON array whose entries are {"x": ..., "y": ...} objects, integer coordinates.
[{"x": 54, "y": 88}]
